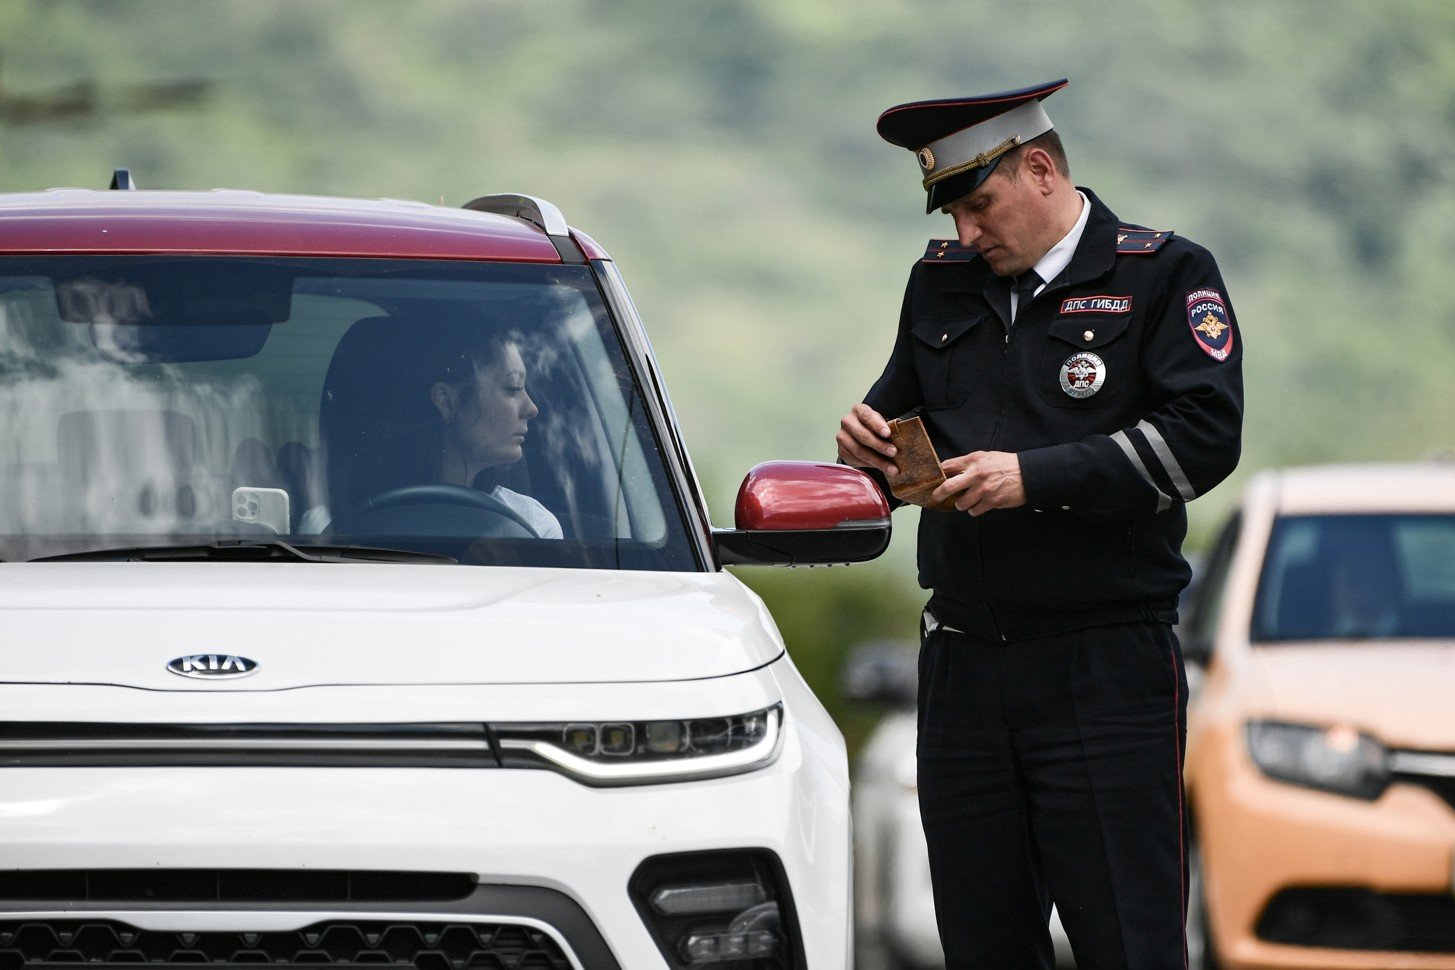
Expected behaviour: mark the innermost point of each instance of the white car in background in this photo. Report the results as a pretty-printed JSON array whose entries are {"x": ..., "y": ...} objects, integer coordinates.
[{"x": 272, "y": 692}]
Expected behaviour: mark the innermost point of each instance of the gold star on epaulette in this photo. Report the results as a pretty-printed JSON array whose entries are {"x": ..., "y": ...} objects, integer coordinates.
[
  {"x": 948, "y": 251},
  {"x": 1131, "y": 239}
]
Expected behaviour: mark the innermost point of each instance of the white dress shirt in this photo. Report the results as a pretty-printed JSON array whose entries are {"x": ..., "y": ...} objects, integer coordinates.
[{"x": 1058, "y": 257}]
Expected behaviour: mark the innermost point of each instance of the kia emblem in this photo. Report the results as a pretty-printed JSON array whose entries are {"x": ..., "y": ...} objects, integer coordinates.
[{"x": 212, "y": 666}]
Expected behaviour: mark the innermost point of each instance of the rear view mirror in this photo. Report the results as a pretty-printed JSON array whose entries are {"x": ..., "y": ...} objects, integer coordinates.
[
  {"x": 122, "y": 343},
  {"x": 165, "y": 309},
  {"x": 799, "y": 513}
]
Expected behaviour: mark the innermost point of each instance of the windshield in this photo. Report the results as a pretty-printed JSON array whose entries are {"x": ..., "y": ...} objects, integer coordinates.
[
  {"x": 1354, "y": 577},
  {"x": 479, "y": 411}
]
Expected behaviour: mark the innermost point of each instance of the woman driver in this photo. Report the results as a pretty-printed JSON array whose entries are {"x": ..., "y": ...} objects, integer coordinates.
[
  {"x": 480, "y": 396},
  {"x": 452, "y": 409}
]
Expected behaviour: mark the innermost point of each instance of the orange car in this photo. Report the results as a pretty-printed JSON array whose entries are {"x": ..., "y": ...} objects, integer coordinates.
[{"x": 1321, "y": 746}]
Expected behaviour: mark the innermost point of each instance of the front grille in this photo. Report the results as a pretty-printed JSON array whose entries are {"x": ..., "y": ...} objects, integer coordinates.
[
  {"x": 195, "y": 918},
  {"x": 22, "y": 887},
  {"x": 1353, "y": 918},
  {"x": 340, "y": 943}
]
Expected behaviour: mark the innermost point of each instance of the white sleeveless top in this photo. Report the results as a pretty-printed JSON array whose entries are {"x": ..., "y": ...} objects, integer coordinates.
[
  {"x": 536, "y": 515},
  {"x": 541, "y": 521}
]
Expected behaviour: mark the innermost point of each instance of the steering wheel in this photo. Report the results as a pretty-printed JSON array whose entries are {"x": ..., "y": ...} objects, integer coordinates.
[{"x": 433, "y": 493}]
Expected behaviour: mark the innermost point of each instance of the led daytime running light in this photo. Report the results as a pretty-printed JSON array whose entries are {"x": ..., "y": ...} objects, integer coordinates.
[
  {"x": 625, "y": 753},
  {"x": 708, "y": 897}
]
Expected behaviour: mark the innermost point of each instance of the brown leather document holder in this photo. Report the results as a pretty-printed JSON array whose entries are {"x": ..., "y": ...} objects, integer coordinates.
[{"x": 919, "y": 466}]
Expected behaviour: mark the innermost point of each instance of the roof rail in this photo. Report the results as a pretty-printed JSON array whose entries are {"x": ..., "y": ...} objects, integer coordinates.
[
  {"x": 121, "y": 179},
  {"x": 538, "y": 212}
]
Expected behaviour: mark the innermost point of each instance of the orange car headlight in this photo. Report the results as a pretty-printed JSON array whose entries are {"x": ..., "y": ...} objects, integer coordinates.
[{"x": 1335, "y": 759}]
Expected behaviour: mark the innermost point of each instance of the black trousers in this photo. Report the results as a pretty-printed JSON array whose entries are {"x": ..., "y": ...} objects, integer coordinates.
[{"x": 1051, "y": 770}]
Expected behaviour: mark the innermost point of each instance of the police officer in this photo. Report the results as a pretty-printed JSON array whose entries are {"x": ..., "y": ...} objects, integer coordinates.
[{"x": 1080, "y": 378}]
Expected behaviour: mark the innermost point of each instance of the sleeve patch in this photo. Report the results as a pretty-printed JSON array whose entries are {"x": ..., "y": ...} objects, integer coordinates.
[
  {"x": 1207, "y": 315},
  {"x": 948, "y": 251}
]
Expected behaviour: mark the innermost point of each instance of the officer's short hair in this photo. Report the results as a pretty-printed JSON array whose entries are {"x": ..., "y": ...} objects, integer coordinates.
[{"x": 1050, "y": 142}]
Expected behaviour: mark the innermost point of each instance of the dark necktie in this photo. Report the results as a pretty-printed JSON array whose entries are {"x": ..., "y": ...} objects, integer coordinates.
[{"x": 1025, "y": 289}]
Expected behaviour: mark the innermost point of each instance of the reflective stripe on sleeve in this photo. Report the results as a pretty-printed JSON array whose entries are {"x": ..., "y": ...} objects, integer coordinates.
[
  {"x": 1124, "y": 443},
  {"x": 1169, "y": 462}
]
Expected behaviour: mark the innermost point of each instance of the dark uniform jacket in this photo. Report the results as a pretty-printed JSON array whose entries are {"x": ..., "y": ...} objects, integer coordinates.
[{"x": 1119, "y": 386}]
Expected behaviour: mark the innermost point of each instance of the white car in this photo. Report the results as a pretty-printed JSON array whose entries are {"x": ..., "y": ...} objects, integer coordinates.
[
  {"x": 895, "y": 905},
  {"x": 360, "y": 606}
]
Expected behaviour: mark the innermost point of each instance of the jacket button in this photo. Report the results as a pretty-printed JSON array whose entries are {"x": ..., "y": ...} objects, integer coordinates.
[
  {"x": 1088, "y": 335},
  {"x": 944, "y": 337}
]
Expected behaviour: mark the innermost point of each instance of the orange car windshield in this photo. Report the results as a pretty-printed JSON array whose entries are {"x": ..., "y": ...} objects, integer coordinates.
[{"x": 1358, "y": 577}]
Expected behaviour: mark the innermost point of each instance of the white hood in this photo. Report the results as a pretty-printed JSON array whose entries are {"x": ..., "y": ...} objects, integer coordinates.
[{"x": 307, "y": 624}]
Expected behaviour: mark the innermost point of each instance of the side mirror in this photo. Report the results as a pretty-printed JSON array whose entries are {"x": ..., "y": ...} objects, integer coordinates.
[
  {"x": 1196, "y": 649},
  {"x": 802, "y": 513}
]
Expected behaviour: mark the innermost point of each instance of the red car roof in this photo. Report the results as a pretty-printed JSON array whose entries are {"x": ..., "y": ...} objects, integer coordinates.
[{"x": 231, "y": 221}]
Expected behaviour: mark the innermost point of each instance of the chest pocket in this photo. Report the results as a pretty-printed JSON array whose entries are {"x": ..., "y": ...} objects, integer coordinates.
[
  {"x": 943, "y": 359},
  {"x": 1088, "y": 361}
]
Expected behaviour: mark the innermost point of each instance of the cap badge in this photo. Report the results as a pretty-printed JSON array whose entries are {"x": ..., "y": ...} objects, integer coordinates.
[
  {"x": 1082, "y": 375},
  {"x": 926, "y": 159},
  {"x": 1207, "y": 315}
]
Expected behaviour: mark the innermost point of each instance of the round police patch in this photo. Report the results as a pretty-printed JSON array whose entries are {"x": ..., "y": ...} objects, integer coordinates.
[{"x": 1083, "y": 374}]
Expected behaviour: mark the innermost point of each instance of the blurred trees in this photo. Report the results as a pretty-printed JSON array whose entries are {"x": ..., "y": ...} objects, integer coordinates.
[{"x": 724, "y": 151}]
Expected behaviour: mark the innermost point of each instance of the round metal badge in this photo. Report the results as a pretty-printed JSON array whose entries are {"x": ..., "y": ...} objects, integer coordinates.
[
  {"x": 926, "y": 159},
  {"x": 1083, "y": 374}
]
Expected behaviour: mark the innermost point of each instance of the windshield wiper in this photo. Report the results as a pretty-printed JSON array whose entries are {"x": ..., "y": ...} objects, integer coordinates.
[{"x": 248, "y": 550}]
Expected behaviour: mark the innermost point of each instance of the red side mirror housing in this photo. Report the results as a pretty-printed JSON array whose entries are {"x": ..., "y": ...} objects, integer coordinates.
[
  {"x": 803, "y": 513},
  {"x": 803, "y": 495}
]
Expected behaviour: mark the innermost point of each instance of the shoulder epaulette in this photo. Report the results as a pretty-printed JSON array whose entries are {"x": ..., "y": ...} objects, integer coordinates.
[
  {"x": 1132, "y": 240},
  {"x": 948, "y": 251}
]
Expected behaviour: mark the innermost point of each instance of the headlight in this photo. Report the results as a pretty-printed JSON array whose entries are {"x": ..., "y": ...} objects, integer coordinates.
[
  {"x": 643, "y": 752},
  {"x": 1336, "y": 759}
]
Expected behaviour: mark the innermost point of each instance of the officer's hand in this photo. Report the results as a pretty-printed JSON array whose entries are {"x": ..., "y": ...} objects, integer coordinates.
[
  {"x": 981, "y": 481},
  {"x": 863, "y": 440}
]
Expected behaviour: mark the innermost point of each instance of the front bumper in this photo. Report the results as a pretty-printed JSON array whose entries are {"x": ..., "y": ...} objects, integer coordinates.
[
  {"x": 1298, "y": 878},
  {"x": 521, "y": 833},
  {"x": 491, "y": 926}
]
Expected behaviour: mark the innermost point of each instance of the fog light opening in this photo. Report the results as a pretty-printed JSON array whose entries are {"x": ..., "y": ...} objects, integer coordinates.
[
  {"x": 715, "y": 908},
  {"x": 1347, "y": 918}
]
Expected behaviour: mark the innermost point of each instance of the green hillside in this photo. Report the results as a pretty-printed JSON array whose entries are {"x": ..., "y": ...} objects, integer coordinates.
[{"x": 724, "y": 152}]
